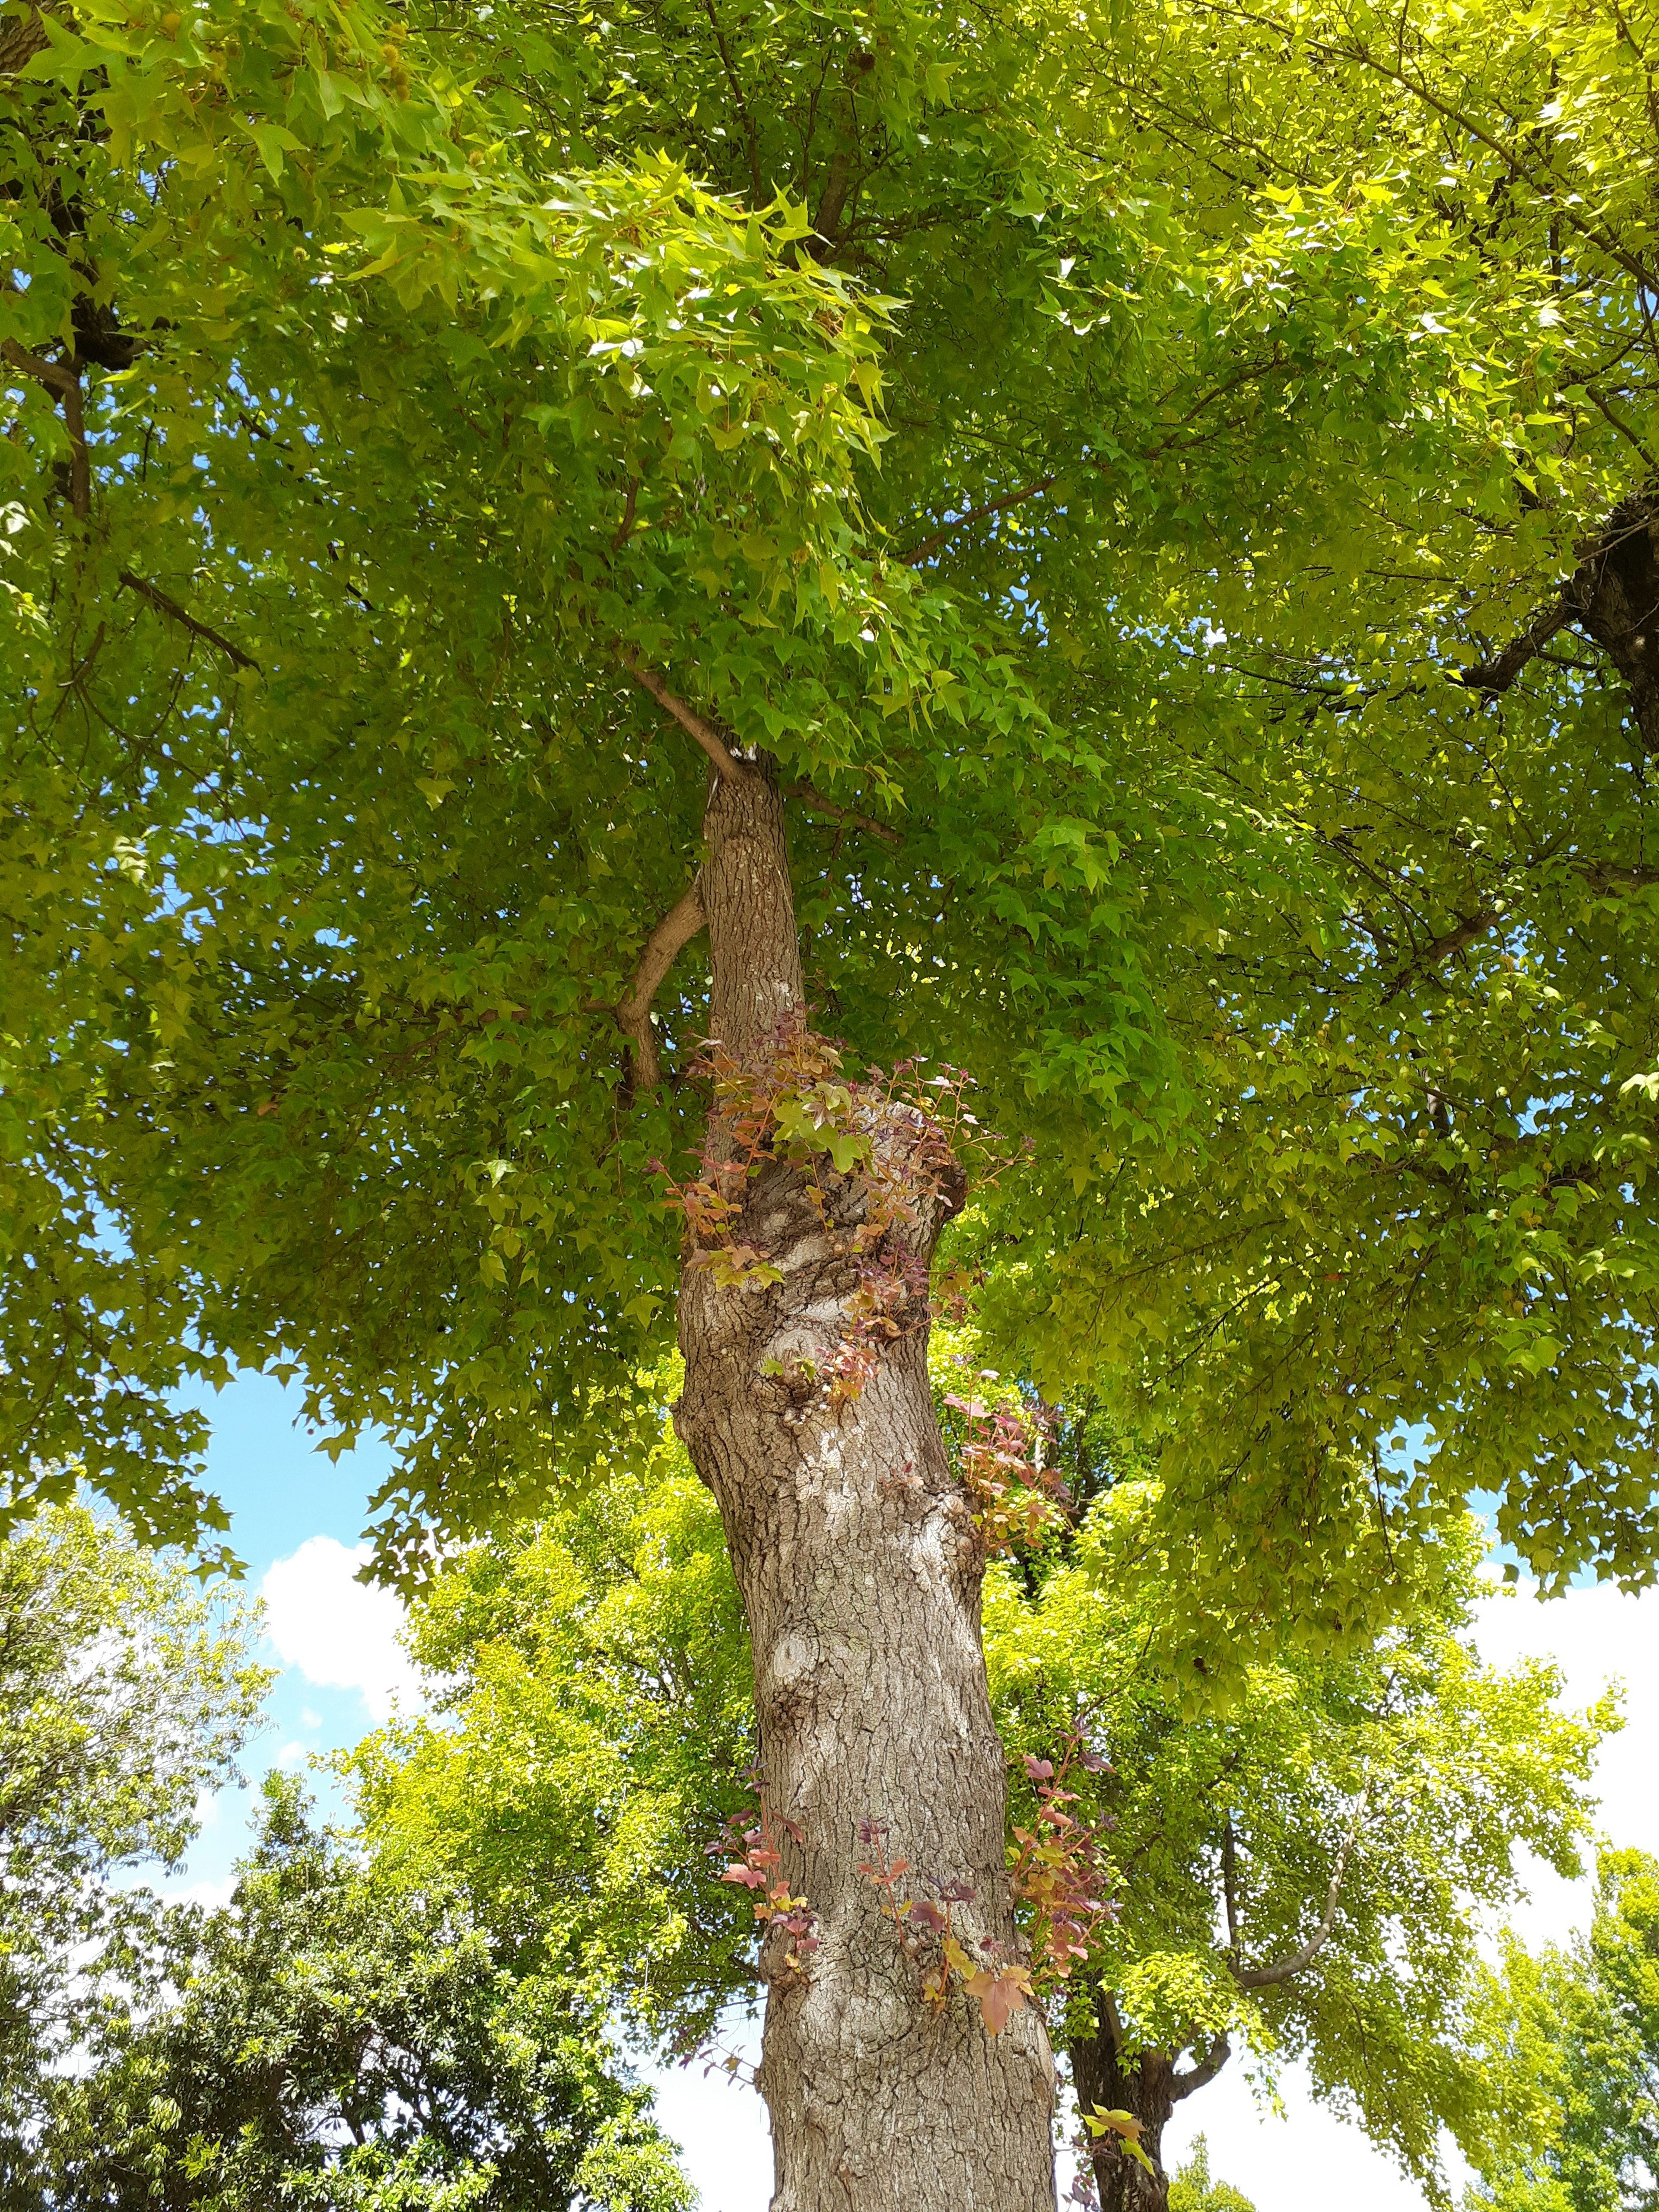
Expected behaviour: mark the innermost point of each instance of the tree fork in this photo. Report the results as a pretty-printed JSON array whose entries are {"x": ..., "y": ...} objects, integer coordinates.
[{"x": 860, "y": 1570}]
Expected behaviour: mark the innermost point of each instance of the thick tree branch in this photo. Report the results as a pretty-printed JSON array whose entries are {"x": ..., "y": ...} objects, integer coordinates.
[
  {"x": 174, "y": 612},
  {"x": 815, "y": 803},
  {"x": 52, "y": 373},
  {"x": 1267, "y": 1977},
  {"x": 1602, "y": 876},
  {"x": 1455, "y": 940},
  {"x": 729, "y": 769},
  {"x": 676, "y": 929},
  {"x": 1182, "y": 2084},
  {"x": 1495, "y": 675}
]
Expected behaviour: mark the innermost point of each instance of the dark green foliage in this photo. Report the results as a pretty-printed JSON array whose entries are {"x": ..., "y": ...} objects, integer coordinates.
[
  {"x": 126, "y": 1690},
  {"x": 330, "y": 2039}
]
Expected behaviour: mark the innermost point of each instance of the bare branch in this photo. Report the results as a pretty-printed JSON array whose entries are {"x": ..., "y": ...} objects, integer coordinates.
[
  {"x": 52, "y": 373},
  {"x": 1267, "y": 1977},
  {"x": 975, "y": 514},
  {"x": 1455, "y": 940},
  {"x": 815, "y": 803},
  {"x": 730, "y": 770},
  {"x": 174, "y": 612},
  {"x": 676, "y": 929}
]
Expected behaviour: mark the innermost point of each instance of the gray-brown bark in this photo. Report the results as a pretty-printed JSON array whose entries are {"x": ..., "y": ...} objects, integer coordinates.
[
  {"x": 1612, "y": 597},
  {"x": 860, "y": 1570},
  {"x": 1147, "y": 2084}
]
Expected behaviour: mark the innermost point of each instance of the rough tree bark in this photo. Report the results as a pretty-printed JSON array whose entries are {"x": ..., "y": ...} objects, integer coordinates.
[
  {"x": 861, "y": 1571},
  {"x": 1612, "y": 597},
  {"x": 1149, "y": 2084}
]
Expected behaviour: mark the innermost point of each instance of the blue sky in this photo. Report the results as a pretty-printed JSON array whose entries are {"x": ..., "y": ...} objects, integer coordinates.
[{"x": 281, "y": 1493}]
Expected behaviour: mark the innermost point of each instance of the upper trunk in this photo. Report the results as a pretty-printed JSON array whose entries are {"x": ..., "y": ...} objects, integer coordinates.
[{"x": 860, "y": 1568}]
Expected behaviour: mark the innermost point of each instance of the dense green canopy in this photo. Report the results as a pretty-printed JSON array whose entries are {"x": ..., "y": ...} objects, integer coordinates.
[
  {"x": 328, "y": 2038},
  {"x": 1083, "y": 448},
  {"x": 1572, "y": 2035},
  {"x": 126, "y": 1694}
]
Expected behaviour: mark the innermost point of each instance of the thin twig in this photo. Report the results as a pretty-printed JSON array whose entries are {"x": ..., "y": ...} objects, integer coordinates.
[
  {"x": 1441, "y": 948},
  {"x": 814, "y": 802},
  {"x": 174, "y": 612},
  {"x": 975, "y": 514}
]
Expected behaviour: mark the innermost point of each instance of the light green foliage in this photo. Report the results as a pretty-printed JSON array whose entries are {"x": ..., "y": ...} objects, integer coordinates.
[
  {"x": 1082, "y": 441},
  {"x": 330, "y": 2039},
  {"x": 1413, "y": 1771},
  {"x": 597, "y": 1707},
  {"x": 593, "y": 1707},
  {"x": 125, "y": 1691},
  {"x": 1573, "y": 2038},
  {"x": 1191, "y": 2188},
  {"x": 1430, "y": 1031}
]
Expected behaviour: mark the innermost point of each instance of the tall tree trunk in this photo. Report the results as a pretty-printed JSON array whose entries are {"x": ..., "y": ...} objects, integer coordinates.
[
  {"x": 860, "y": 1570},
  {"x": 1145, "y": 2086}
]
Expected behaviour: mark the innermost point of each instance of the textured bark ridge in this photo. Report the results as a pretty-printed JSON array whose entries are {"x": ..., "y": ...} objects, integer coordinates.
[{"x": 860, "y": 1570}]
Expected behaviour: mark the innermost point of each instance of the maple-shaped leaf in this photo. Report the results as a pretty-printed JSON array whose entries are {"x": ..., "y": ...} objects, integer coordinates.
[
  {"x": 1125, "y": 2126},
  {"x": 1001, "y": 1994}
]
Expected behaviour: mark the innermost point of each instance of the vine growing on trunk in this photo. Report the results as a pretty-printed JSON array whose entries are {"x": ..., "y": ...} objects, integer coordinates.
[
  {"x": 902, "y": 1134},
  {"x": 1059, "y": 1873},
  {"x": 1002, "y": 1455},
  {"x": 928, "y": 1937},
  {"x": 754, "y": 1858}
]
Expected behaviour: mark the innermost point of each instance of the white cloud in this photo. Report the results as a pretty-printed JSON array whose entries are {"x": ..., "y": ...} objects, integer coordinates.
[
  {"x": 340, "y": 1633},
  {"x": 211, "y": 1896},
  {"x": 1304, "y": 2161},
  {"x": 1301, "y": 2162},
  {"x": 1595, "y": 1636}
]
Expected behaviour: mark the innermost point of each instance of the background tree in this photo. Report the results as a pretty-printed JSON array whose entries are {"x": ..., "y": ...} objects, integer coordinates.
[
  {"x": 1305, "y": 1876},
  {"x": 1572, "y": 2036},
  {"x": 592, "y": 1713},
  {"x": 1192, "y": 2189},
  {"x": 330, "y": 2038},
  {"x": 1302, "y": 1877},
  {"x": 125, "y": 1691},
  {"x": 401, "y": 436}
]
